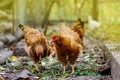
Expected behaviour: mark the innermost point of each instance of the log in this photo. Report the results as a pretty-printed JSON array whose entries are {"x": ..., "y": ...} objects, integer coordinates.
[
  {"x": 53, "y": 22},
  {"x": 105, "y": 69}
]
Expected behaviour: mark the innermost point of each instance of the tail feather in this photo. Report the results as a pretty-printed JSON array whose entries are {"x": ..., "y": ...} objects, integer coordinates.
[{"x": 21, "y": 26}]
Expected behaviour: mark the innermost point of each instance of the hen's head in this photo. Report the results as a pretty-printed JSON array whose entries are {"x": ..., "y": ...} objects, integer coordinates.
[
  {"x": 60, "y": 40},
  {"x": 55, "y": 38}
]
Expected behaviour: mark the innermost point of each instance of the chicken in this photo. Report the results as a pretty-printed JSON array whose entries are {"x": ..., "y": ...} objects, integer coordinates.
[
  {"x": 36, "y": 44},
  {"x": 67, "y": 46},
  {"x": 92, "y": 24},
  {"x": 80, "y": 29},
  {"x": 1, "y": 78}
]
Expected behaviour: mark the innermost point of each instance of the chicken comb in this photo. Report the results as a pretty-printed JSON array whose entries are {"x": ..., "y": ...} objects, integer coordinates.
[{"x": 55, "y": 37}]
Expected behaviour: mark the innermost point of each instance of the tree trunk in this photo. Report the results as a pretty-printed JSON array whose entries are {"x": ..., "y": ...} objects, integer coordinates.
[
  {"x": 95, "y": 10},
  {"x": 60, "y": 11},
  {"x": 21, "y": 10},
  {"x": 45, "y": 20},
  {"x": 3, "y": 3},
  {"x": 76, "y": 8},
  {"x": 82, "y": 4}
]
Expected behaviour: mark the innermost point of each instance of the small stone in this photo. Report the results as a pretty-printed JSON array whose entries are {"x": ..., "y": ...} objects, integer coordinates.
[
  {"x": 4, "y": 54},
  {"x": 19, "y": 49},
  {"x": 18, "y": 34},
  {"x": 3, "y": 39},
  {"x": 10, "y": 38}
]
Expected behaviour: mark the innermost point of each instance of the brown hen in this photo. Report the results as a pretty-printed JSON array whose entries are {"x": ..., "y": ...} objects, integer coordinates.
[
  {"x": 68, "y": 47},
  {"x": 36, "y": 44}
]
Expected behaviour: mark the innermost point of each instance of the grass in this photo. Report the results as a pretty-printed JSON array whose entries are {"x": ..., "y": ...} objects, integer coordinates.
[{"x": 87, "y": 73}]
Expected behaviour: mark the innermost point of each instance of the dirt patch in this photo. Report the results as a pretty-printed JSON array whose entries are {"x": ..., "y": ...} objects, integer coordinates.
[{"x": 92, "y": 65}]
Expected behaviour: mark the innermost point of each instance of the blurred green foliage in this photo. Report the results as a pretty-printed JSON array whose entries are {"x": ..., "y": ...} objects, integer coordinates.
[
  {"x": 35, "y": 11},
  {"x": 106, "y": 33}
]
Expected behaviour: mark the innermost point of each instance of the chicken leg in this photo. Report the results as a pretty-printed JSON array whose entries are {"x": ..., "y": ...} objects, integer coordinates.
[
  {"x": 73, "y": 69},
  {"x": 37, "y": 66},
  {"x": 64, "y": 70}
]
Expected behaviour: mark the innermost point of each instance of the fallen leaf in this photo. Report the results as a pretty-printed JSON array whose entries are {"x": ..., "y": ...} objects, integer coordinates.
[{"x": 13, "y": 58}]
